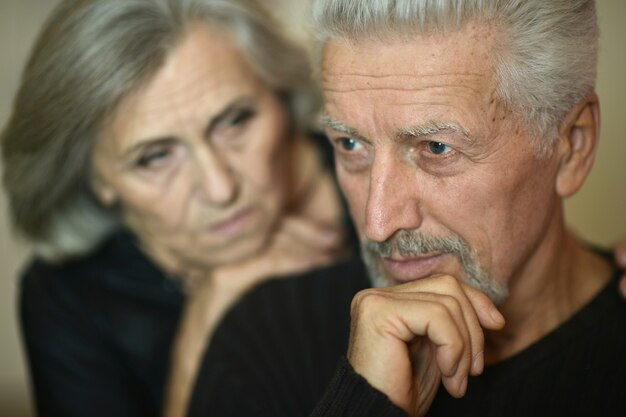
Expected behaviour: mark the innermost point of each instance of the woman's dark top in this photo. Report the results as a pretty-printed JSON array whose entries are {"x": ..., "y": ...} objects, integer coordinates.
[{"x": 98, "y": 332}]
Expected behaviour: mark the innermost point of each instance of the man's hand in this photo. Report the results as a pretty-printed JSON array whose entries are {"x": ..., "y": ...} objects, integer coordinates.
[
  {"x": 620, "y": 260},
  {"x": 405, "y": 340}
]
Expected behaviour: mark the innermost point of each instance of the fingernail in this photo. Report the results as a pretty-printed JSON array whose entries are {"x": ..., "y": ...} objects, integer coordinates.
[
  {"x": 478, "y": 363},
  {"x": 497, "y": 317}
]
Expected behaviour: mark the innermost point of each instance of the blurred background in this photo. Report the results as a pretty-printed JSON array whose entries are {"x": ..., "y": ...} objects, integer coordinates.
[{"x": 598, "y": 212}]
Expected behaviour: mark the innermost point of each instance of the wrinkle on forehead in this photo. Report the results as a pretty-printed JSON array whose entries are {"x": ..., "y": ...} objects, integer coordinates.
[
  {"x": 340, "y": 81},
  {"x": 343, "y": 88},
  {"x": 392, "y": 85},
  {"x": 464, "y": 57},
  {"x": 188, "y": 77},
  {"x": 202, "y": 73}
]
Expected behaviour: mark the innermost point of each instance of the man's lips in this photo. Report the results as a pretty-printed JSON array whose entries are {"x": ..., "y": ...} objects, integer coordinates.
[{"x": 411, "y": 268}]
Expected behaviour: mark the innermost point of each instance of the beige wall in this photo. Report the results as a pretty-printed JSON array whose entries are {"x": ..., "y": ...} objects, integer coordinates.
[
  {"x": 19, "y": 22},
  {"x": 598, "y": 212}
]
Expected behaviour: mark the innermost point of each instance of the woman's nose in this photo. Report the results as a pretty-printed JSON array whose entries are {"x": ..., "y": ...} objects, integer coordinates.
[{"x": 217, "y": 179}]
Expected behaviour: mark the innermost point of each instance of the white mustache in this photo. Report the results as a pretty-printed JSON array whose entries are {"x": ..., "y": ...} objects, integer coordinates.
[{"x": 412, "y": 243}]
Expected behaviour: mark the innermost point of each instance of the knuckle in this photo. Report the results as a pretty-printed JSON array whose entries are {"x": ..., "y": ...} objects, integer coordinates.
[
  {"x": 452, "y": 303},
  {"x": 454, "y": 350},
  {"x": 449, "y": 280},
  {"x": 440, "y": 309},
  {"x": 366, "y": 302},
  {"x": 449, "y": 284}
]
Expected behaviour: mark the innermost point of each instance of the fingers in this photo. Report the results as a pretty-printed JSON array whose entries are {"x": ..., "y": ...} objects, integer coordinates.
[
  {"x": 478, "y": 311},
  {"x": 297, "y": 246},
  {"x": 447, "y": 330},
  {"x": 310, "y": 233},
  {"x": 449, "y": 315},
  {"x": 384, "y": 324}
]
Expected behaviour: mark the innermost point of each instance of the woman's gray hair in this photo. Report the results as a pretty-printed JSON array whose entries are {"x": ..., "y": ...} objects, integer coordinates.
[
  {"x": 546, "y": 63},
  {"x": 88, "y": 57}
]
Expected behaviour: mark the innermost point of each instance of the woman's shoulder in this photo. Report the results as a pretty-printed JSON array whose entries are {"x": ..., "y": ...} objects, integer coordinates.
[{"x": 115, "y": 268}]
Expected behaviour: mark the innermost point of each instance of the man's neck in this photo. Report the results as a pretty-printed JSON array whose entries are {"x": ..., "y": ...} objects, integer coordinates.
[{"x": 561, "y": 277}]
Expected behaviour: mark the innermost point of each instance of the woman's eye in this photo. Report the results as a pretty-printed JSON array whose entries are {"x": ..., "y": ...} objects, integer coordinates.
[
  {"x": 233, "y": 127},
  {"x": 153, "y": 158},
  {"x": 438, "y": 148}
]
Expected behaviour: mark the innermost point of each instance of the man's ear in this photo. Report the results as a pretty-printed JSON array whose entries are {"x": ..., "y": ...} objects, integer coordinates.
[
  {"x": 578, "y": 140},
  {"x": 103, "y": 190}
]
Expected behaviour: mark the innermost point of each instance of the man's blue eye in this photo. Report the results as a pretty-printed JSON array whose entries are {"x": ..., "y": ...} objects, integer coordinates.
[
  {"x": 438, "y": 148},
  {"x": 348, "y": 144}
]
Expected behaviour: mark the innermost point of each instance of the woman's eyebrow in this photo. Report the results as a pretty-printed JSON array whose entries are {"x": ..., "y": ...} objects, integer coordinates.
[
  {"x": 213, "y": 121},
  {"x": 226, "y": 110}
]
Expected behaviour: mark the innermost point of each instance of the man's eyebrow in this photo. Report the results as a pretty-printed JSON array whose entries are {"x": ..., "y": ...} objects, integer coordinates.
[
  {"x": 432, "y": 128},
  {"x": 426, "y": 129},
  {"x": 331, "y": 123}
]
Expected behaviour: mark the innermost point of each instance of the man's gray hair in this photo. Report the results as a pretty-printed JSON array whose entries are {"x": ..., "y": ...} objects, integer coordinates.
[
  {"x": 88, "y": 57},
  {"x": 545, "y": 64}
]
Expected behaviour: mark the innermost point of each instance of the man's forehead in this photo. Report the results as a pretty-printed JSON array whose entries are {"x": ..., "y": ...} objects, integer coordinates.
[
  {"x": 419, "y": 83},
  {"x": 467, "y": 50}
]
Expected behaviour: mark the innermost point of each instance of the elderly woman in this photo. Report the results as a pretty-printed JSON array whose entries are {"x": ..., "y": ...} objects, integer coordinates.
[{"x": 155, "y": 149}]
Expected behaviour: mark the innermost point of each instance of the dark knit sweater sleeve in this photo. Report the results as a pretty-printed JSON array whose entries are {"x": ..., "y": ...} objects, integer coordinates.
[
  {"x": 97, "y": 332},
  {"x": 73, "y": 366},
  {"x": 350, "y": 395}
]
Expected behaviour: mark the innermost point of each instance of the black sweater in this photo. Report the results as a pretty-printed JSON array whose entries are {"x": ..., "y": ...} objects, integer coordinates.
[
  {"x": 98, "y": 332},
  {"x": 280, "y": 353}
]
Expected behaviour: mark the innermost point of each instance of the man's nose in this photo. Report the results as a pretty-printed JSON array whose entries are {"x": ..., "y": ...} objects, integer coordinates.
[
  {"x": 392, "y": 202},
  {"x": 216, "y": 178}
]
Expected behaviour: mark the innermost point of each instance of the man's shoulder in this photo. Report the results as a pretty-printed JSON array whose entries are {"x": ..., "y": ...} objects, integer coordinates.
[
  {"x": 575, "y": 370},
  {"x": 319, "y": 286},
  {"x": 284, "y": 336},
  {"x": 311, "y": 299}
]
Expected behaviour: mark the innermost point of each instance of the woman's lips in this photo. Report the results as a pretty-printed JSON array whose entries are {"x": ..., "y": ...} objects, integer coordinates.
[
  {"x": 232, "y": 225},
  {"x": 406, "y": 269}
]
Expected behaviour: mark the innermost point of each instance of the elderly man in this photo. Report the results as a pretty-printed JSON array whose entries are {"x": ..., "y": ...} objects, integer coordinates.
[{"x": 459, "y": 127}]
